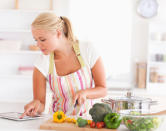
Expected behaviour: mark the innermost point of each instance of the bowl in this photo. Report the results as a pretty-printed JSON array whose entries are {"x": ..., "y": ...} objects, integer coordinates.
[{"x": 141, "y": 119}]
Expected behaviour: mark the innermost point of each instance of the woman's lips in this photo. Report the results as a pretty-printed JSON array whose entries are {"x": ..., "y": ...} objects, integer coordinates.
[{"x": 43, "y": 50}]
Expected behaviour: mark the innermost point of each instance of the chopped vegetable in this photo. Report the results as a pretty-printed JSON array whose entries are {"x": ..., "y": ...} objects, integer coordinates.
[
  {"x": 89, "y": 122},
  {"x": 81, "y": 122},
  {"x": 73, "y": 120},
  {"x": 100, "y": 125},
  {"x": 68, "y": 120},
  {"x": 103, "y": 124},
  {"x": 59, "y": 117},
  {"x": 112, "y": 120},
  {"x": 93, "y": 124}
]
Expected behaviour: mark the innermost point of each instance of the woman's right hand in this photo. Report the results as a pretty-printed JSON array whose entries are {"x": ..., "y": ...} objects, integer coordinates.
[{"x": 32, "y": 108}]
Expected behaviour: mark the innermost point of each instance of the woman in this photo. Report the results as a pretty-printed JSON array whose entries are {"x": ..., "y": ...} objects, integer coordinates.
[{"x": 67, "y": 65}]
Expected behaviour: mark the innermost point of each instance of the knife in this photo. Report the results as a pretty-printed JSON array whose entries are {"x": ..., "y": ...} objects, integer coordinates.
[{"x": 70, "y": 110}]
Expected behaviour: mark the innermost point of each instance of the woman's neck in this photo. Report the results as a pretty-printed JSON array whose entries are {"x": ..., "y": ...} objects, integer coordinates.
[{"x": 63, "y": 52}]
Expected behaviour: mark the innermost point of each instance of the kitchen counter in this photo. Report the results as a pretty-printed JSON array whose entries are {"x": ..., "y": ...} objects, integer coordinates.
[{"x": 33, "y": 125}]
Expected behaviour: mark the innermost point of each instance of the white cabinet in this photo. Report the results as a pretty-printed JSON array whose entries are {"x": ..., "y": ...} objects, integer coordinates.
[
  {"x": 15, "y": 26},
  {"x": 156, "y": 60}
]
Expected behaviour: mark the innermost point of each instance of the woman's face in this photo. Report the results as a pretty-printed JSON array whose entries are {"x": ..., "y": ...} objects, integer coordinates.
[{"x": 46, "y": 41}]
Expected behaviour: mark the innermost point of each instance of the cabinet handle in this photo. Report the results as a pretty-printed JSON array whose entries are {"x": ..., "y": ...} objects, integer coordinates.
[
  {"x": 51, "y": 4},
  {"x": 16, "y": 4}
]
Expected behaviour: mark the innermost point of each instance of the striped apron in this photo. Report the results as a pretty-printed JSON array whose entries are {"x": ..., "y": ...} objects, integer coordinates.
[{"x": 64, "y": 87}]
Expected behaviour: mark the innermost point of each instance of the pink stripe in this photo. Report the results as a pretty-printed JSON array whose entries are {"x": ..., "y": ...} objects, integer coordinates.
[
  {"x": 63, "y": 94},
  {"x": 79, "y": 77},
  {"x": 71, "y": 88},
  {"x": 60, "y": 93},
  {"x": 53, "y": 84},
  {"x": 54, "y": 106}
]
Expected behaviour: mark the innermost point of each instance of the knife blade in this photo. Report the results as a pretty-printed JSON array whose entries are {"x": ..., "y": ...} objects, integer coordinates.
[{"x": 70, "y": 110}]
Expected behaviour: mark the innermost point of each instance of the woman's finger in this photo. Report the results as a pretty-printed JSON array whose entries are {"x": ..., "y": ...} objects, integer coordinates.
[
  {"x": 82, "y": 101},
  {"x": 79, "y": 101},
  {"x": 34, "y": 112},
  {"x": 22, "y": 116},
  {"x": 26, "y": 112},
  {"x": 75, "y": 98}
]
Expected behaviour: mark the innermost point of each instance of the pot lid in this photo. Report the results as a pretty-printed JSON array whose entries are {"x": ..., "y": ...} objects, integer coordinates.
[{"x": 130, "y": 98}]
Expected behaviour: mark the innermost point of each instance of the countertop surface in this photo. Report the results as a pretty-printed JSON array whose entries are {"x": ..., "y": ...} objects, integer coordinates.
[{"x": 33, "y": 125}]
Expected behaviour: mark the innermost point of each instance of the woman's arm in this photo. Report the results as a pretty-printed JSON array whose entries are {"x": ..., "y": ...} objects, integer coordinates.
[
  {"x": 100, "y": 90},
  {"x": 99, "y": 77},
  {"x": 39, "y": 94},
  {"x": 39, "y": 88}
]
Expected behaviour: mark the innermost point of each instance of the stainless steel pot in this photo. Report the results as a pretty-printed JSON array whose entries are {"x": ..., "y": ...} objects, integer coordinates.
[{"x": 129, "y": 102}]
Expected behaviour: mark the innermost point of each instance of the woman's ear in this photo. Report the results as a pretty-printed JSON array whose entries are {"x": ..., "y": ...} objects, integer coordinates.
[{"x": 58, "y": 33}]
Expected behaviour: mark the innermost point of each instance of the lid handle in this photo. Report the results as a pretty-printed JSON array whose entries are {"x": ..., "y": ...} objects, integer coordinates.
[{"x": 129, "y": 94}]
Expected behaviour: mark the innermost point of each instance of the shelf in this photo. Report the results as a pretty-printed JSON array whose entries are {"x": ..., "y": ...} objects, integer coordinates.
[
  {"x": 159, "y": 88},
  {"x": 157, "y": 63},
  {"x": 157, "y": 41},
  {"x": 156, "y": 47},
  {"x": 26, "y": 10},
  {"x": 16, "y": 76},
  {"x": 20, "y": 52},
  {"x": 156, "y": 86},
  {"x": 15, "y": 30}
]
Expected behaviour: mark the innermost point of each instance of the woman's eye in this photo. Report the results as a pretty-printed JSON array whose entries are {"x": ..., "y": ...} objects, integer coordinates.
[{"x": 43, "y": 40}]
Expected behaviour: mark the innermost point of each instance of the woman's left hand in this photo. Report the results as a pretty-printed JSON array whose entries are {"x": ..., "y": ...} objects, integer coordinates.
[{"x": 80, "y": 96}]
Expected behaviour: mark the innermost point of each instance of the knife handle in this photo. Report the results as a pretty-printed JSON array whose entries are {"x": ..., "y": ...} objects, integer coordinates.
[{"x": 76, "y": 103}]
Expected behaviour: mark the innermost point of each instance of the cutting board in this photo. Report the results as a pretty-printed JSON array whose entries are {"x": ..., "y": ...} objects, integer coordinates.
[{"x": 50, "y": 125}]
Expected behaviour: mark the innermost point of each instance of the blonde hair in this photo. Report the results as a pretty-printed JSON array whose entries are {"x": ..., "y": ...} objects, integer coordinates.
[{"x": 50, "y": 22}]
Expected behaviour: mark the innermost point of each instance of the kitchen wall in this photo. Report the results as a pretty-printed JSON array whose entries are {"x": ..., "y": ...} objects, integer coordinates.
[{"x": 139, "y": 26}]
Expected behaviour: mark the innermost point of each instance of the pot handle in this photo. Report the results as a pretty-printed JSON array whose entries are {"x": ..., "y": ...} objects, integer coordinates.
[
  {"x": 111, "y": 102},
  {"x": 106, "y": 101},
  {"x": 153, "y": 102}
]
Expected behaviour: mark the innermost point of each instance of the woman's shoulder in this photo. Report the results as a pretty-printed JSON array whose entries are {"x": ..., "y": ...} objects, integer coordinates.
[
  {"x": 89, "y": 52},
  {"x": 85, "y": 46},
  {"x": 42, "y": 64},
  {"x": 44, "y": 57}
]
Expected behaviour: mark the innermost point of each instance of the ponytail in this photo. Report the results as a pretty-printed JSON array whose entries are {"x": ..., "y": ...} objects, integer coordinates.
[{"x": 68, "y": 32}]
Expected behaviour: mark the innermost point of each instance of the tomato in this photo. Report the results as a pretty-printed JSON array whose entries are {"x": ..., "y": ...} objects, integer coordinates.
[
  {"x": 103, "y": 124},
  {"x": 92, "y": 124},
  {"x": 99, "y": 125},
  {"x": 129, "y": 121}
]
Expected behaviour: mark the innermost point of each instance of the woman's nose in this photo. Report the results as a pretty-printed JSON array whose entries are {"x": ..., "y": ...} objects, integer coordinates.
[{"x": 38, "y": 44}]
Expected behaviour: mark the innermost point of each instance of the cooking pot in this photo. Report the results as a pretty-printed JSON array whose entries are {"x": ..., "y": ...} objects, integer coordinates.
[{"x": 129, "y": 102}]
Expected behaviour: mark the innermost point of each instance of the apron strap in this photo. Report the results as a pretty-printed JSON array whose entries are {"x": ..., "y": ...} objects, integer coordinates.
[
  {"x": 51, "y": 64},
  {"x": 77, "y": 51}
]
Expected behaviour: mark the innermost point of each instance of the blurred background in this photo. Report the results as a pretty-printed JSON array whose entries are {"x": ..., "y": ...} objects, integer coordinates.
[{"x": 130, "y": 35}]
